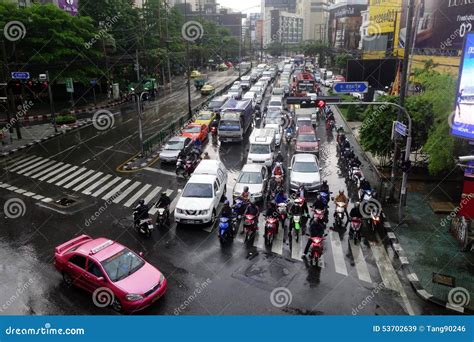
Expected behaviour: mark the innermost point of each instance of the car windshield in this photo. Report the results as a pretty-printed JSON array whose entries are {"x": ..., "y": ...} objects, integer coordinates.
[
  {"x": 194, "y": 129},
  {"x": 122, "y": 264},
  {"x": 174, "y": 145},
  {"x": 204, "y": 117},
  {"x": 306, "y": 138},
  {"x": 305, "y": 167},
  {"x": 272, "y": 121},
  {"x": 197, "y": 190},
  {"x": 274, "y": 115},
  {"x": 278, "y": 91},
  {"x": 216, "y": 104},
  {"x": 259, "y": 149},
  {"x": 250, "y": 178},
  {"x": 274, "y": 104},
  {"x": 249, "y": 95}
]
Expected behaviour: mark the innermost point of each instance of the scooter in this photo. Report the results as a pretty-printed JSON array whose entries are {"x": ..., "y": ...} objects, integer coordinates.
[
  {"x": 288, "y": 137},
  {"x": 354, "y": 231},
  {"x": 226, "y": 230},
  {"x": 339, "y": 214},
  {"x": 250, "y": 227},
  {"x": 271, "y": 230},
  {"x": 282, "y": 211},
  {"x": 366, "y": 195},
  {"x": 162, "y": 217},
  {"x": 143, "y": 226},
  {"x": 356, "y": 175},
  {"x": 319, "y": 215},
  {"x": 375, "y": 221},
  {"x": 316, "y": 249},
  {"x": 296, "y": 226}
]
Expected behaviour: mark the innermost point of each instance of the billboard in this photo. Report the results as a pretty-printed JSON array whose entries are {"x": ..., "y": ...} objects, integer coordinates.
[
  {"x": 439, "y": 24},
  {"x": 383, "y": 16},
  {"x": 462, "y": 119},
  {"x": 70, "y": 6}
]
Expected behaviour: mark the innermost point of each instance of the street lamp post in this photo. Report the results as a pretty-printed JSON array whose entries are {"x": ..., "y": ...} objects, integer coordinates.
[
  {"x": 188, "y": 71},
  {"x": 51, "y": 103},
  {"x": 140, "y": 116}
]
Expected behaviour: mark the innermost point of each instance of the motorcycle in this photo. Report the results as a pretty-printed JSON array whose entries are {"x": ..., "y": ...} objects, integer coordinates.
[
  {"x": 162, "y": 217},
  {"x": 319, "y": 215},
  {"x": 288, "y": 137},
  {"x": 226, "y": 230},
  {"x": 187, "y": 167},
  {"x": 296, "y": 226},
  {"x": 282, "y": 211},
  {"x": 143, "y": 226},
  {"x": 271, "y": 230},
  {"x": 339, "y": 214},
  {"x": 356, "y": 175},
  {"x": 366, "y": 195},
  {"x": 250, "y": 227},
  {"x": 375, "y": 220},
  {"x": 354, "y": 231},
  {"x": 325, "y": 197},
  {"x": 316, "y": 249}
]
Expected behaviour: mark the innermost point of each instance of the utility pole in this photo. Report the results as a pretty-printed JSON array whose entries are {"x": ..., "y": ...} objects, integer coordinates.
[
  {"x": 168, "y": 64},
  {"x": 137, "y": 65},
  {"x": 4, "y": 75},
  {"x": 51, "y": 103},
  {"x": 188, "y": 71},
  {"x": 403, "y": 87},
  {"x": 10, "y": 96}
]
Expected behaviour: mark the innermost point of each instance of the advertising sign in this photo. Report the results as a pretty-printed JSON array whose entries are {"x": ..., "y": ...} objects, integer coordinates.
[
  {"x": 462, "y": 120},
  {"x": 439, "y": 24},
  {"x": 383, "y": 16},
  {"x": 70, "y": 6}
]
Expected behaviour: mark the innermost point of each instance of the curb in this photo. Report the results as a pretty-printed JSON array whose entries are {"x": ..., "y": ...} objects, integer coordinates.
[
  {"x": 49, "y": 137},
  {"x": 402, "y": 256},
  {"x": 127, "y": 167},
  {"x": 413, "y": 278}
]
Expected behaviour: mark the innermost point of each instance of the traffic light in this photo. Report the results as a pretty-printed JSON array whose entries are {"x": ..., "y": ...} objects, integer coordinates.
[
  {"x": 320, "y": 103},
  {"x": 44, "y": 84}
]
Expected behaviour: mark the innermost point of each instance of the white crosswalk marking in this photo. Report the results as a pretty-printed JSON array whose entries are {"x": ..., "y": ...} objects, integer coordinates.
[
  {"x": 360, "y": 264},
  {"x": 29, "y": 194},
  {"x": 49, "y": 169},
  {"x": 277, "y": 246},
  {"x": 12, "y": 161},
  {"x": 88, "y": 181},
  {"x": 12, "y": 188},
  {"x": 51, "y": 172},
  {"x": 259, "y": 240},
  {"x": 22, "y": 171},
  {"x": 23, "y": 164},
  {"x": 20, "y": 163},
  {"x": 38, "y": 197},
  {"x": 126, "y": 192},
  {"x": 106, "y": 186},
  {"x": 337, "y": 253},
  {"x": 55, "y": 172},
  {"x": 136, "y": 196},
  {"x": 387, "y": 272},
  {"x": 20, "y": 191},
  {"x": 69, "y": 177},
  {"x": 49, "y": 163},
  {"x": 88, "y": 191},
  {"x": 152, "y": 194},
  {"x": 74, "y": 181},
  {"x": 296, "y": 247},
  {"x": 67, "y": 170},
  {"x": 4, "y": 185},
  {"x": 115, "y": 190}
]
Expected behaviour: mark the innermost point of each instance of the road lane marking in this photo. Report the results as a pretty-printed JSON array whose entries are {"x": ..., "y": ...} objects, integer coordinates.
[
  {"x": 337, "y": 253},
  {"x": 29, "y": 162},
  {"x": 360, "y": 264},
  {"x": 152, "y": 194},
  {"x": 168, "y": 173},
  {"x": 36, "y": 175},
  {"x": 18, "y": 161},
  {"x": 127, "y": 192},
  {"x": 137, "y": 195},
  {"x": 87, "y": 181},
  {"x": 32, "y": 166},
  {"x": 49, "y": 163},
  {"x": 77, "y": 180},
  {"x": 106, "y": 186},
  {"x": 88, "y": 191},
  {"x": 296, "y": 247},
  {"x": 62, "y": 174},
  {"x": 115, "y": 190},
  {"x": 67, "y": 167}
]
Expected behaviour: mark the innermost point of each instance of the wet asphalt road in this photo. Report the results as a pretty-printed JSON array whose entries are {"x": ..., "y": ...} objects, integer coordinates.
[{"x": 204, "y": 278}]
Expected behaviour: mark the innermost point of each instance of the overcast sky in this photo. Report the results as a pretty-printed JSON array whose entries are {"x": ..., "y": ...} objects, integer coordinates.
[{"x": 247, "y": 6}]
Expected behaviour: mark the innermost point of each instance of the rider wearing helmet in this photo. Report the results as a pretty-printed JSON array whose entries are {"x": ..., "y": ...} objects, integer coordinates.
[
  {"x": 164, "y": 201},
  {"x": 206, "y": 156},
  {"x": 319, "y": 203},
  {"x": 324, "y": 187},
  {"x": 279, "y": 158},
  {"x": 355, "y": 212},
  {"x": 252, "y": 209},
  {"x": 341, "y": 197},
  {"x": 226, "y": 210},
  {"x": 278, "y": 169},
  {"x": 245, "y": 195},
  {"x": 271, "y": 210},
  {"x": 140, "y": 211}
]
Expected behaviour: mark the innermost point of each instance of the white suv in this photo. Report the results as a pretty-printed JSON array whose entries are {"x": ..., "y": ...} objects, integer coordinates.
[{"x": 202, "y": 194}]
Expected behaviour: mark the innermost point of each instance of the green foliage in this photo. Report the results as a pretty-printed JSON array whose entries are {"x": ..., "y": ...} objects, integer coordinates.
[
  {"x": 317, "y": 49},
  {"x": 65, "y": 119},
  {"x": 341, "y": 60}
]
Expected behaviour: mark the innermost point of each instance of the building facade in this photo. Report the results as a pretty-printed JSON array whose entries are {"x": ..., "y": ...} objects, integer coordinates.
[
  {"x": 316, "y": 16},
  {"x": 344, "y": 25},
  {"x": 284, "y": 27}
]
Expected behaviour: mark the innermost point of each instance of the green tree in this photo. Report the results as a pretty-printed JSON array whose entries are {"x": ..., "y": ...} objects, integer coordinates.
[{"x": 341, "y": 61}]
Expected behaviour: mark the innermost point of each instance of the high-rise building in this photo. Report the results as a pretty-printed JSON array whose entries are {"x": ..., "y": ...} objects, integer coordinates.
[
  {"x": 284, "y": 5},
  {"x": 316, "y": 17},
  {"x": 283, "y": 27},
  {"x": 345, "y": 21}
]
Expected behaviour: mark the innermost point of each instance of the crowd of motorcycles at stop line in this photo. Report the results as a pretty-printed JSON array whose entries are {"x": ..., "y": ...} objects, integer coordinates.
[{"x": 294, "y": 209}]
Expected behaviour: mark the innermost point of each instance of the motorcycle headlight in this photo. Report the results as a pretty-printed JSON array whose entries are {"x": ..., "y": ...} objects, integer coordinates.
[{"x": 131, "y": 297}]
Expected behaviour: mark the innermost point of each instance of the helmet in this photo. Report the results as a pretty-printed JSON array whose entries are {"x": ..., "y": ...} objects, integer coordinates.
[
  {"x": 246, "y": 189},
  {"x": 141, "y": 202},
  {"x": 226, "y": 202},
  {"x": 325, "y": 182}
]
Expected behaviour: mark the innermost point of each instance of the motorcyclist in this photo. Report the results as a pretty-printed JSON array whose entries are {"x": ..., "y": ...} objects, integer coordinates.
[
  {"x": 245, "y": 195},
  {"x": 319, "y": 203},
  {"x": 364, "y": 188},
  {"x": 299, "y": 208},
  {"x": 340, "y": 130},
  {"x": 355, "y": 162},
  {"x": 206, "y": 156},
  {"x": 355, "y": 212},
  {"x": 324, "y": 187},
  {"x": 278, "y": 170},
  {"x": 279, "y": 158},
  {"x": 316, "y": 229},
  {"x": 252, "y": 209},
  {"x": 281, "y": 197},
  {"x": 141, "y": 212},
  {"x": 271, "y": 210},
  {"x": 341, "y": 198},
  {"x": 226, "y": 210}
]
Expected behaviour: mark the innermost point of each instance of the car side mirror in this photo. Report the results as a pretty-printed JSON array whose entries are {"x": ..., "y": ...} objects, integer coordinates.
[
  {"x": 289, "y": 167},
  {"x": 141, "y": 254}
]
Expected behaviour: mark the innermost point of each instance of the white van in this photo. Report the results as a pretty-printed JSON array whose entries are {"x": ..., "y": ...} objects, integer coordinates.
[
  {"x": 262, "y": 146},
  {"x": 202, "y": 194}
]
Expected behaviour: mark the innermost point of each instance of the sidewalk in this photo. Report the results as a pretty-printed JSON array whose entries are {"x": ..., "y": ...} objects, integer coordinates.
[{"x": 426, "y": 248}]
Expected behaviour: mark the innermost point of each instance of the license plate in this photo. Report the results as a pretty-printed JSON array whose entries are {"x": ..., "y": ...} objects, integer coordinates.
[{"x": 190, "y": 221}]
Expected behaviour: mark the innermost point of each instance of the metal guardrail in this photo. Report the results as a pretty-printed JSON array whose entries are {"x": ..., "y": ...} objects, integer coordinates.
[{"x": 164, "y": 134}]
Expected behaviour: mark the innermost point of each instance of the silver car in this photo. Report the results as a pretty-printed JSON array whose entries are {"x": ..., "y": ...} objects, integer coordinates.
[
  {"x": 173, "y": 147},
  {"x": 255, "y": 176},
  {"x": 305, "y": 171}
]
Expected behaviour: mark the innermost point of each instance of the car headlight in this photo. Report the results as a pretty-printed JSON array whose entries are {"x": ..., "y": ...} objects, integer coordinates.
[
  {"x": 258, "y": 194},
  {"x": 203, "y": 212},
  {"x": 236, "y": 194},
  {"x": 179, "y": 211},
  {"x": 131, "y": 297},
  {"x": 162, "y": 279}
]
